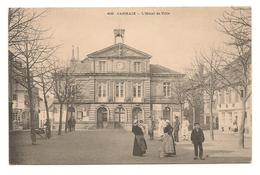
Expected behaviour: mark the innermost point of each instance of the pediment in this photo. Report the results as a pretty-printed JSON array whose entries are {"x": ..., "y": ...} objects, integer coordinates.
[{"x": 119, "y": 51}]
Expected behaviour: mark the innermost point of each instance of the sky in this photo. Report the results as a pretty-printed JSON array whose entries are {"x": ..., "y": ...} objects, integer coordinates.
[{"x": 172, "y": 39}]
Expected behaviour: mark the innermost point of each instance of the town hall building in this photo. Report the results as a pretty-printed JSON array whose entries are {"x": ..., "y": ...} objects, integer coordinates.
[{"x": 117, "y": 85}]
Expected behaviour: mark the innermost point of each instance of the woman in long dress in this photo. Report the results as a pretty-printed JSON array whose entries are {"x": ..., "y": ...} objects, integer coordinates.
[
  {"x": 168, "y": 144},
  {"x": 140, "y": 146}
]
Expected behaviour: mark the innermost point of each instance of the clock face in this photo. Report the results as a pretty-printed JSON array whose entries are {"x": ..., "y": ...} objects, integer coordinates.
[{"x": 120, "y": 65}]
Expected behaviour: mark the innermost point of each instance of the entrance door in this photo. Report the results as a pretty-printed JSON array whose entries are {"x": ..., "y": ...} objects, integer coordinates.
[
  {"x": 101, "y": 117},
  {"x": 166, "y": 113},
  {"x": 120, "y": 117}
]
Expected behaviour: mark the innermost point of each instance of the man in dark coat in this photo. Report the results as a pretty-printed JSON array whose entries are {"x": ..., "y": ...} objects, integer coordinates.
[
  {"x": 197, "y": 138},
  {"x": 151, "y": 126},
  {"x": 176, "y": 129},
  {"x": 140, "y": 146},
  {"x": 73, "y": 123},
  {"x": 69, "y": 124}
]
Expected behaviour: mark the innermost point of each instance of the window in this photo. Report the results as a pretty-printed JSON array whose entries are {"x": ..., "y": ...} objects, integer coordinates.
[
  {"x": 99, "y": 90},
  {"x": 166, "y": 89},
  {"x": 80, "y": 115},
  {"x": 137, "y": 67},
  {"x": 102, "y": 66},
  {"x": 137, "y": 90},
  {"x": 15, "y": 114},
  {"x": 120, "y": 89},
  {"x": 26, "y": 100},
  {"x": 14, "y": 96},
  {"x": 117, "y": 90},
  {"x": 102, "y": 90},
  {"x": 73, "y": 90}
]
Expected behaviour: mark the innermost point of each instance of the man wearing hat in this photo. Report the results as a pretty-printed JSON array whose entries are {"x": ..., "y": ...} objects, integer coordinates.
[
  {"x": 197, "y": 138},
  {"x": 176, "y": 129}
]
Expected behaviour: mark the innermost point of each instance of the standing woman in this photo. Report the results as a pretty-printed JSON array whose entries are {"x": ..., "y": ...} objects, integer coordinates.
[
  {"x": 168, "y": 145},
  {"x": 140, "y": 146}
]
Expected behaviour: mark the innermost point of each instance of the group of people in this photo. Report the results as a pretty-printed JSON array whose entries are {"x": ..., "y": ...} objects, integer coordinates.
[
  {"x": 176, "y": 128},
  {"x": 169, "y": 135},
  {"x": 71, "y": 124}
]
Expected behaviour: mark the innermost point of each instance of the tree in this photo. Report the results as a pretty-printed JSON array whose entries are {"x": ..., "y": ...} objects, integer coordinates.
[
  {"x": 193, "y": 96},
  {"x": 193, "y": 91},
  {"x": 179, "y": 90},
  {"x": 208, "y": 79},
  {"x": 20, "y": 21},
  {"x": 236, "y": 69},
  {"x": 63, "y": 83},
  {"x": 30, "y": 47},
  {"x": 45, "y": 82}
]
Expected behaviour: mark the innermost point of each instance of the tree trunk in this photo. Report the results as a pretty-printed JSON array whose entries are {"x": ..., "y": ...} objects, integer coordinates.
[
  {"x": 211, "y": 119},
  {"x": 241, "y": 140},
  {"x": 181, "y": 118},
  {"x": 193, "y": 116},
  {"x": 66, "y": 120},
  {"x": 48, "y": 124},
  {"x": 10, "y": 92},
  {"x": 32, "y": 117},
  {"x": 60, "y": 121},
  {"x": 30, "y": 95}
]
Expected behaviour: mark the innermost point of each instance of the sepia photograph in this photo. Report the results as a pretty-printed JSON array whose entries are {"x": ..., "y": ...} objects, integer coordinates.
[{"x": 150, "y": 85}]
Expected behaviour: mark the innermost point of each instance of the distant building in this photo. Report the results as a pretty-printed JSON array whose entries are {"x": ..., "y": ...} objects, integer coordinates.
[
  {"x": 206, "y": 117},
  {"x": 43, "y": 112},
  {"x": 118, "y": 85},
  {"x": 20, "y": 116},
  {"x": 227, "y": 106}
]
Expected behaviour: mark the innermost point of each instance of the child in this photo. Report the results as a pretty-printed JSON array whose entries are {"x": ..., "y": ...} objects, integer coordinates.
[{"x": 197, "y": 138}]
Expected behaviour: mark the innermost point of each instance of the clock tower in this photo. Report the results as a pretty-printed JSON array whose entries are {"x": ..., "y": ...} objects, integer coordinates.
[{"x": 119, "y": 35}]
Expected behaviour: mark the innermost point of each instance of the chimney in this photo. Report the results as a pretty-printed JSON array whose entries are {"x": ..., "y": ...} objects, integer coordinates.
[
  {"x": 77, "y": 53},
  {"x": 72, "y": 55},
  {"x": 119, "y": 35}
]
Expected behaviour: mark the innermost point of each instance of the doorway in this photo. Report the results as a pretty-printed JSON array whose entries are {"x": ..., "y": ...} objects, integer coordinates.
[
  {"x": 166, "y": 113},
  {"x": 101, "y": 117}
]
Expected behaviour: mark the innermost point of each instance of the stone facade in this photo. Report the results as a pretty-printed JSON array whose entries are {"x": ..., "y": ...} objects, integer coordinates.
[{"x": 117, "y": 85}]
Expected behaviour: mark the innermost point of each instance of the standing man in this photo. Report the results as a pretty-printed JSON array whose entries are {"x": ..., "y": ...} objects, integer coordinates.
[
  {"x": 151, "y": 126},
  {"x": 70, "y": 124},
  {"x": 197, "y": 138},
  {"x": 176, "y": 129},
  {"x": 73, "y": 123}
]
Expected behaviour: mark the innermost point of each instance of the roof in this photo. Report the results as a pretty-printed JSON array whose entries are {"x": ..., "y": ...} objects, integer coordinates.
[
  {"x": 119, "y": 50},
  {"x": 158, "y": 69},
  {"x": 81, "y": 67}
]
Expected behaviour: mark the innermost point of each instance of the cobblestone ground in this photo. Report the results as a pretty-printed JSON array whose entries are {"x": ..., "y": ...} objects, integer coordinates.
[{"x": 115, "y": 146}]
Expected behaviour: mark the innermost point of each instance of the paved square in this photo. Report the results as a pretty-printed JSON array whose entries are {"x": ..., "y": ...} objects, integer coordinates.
[{"x": 115, "y": 146}]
